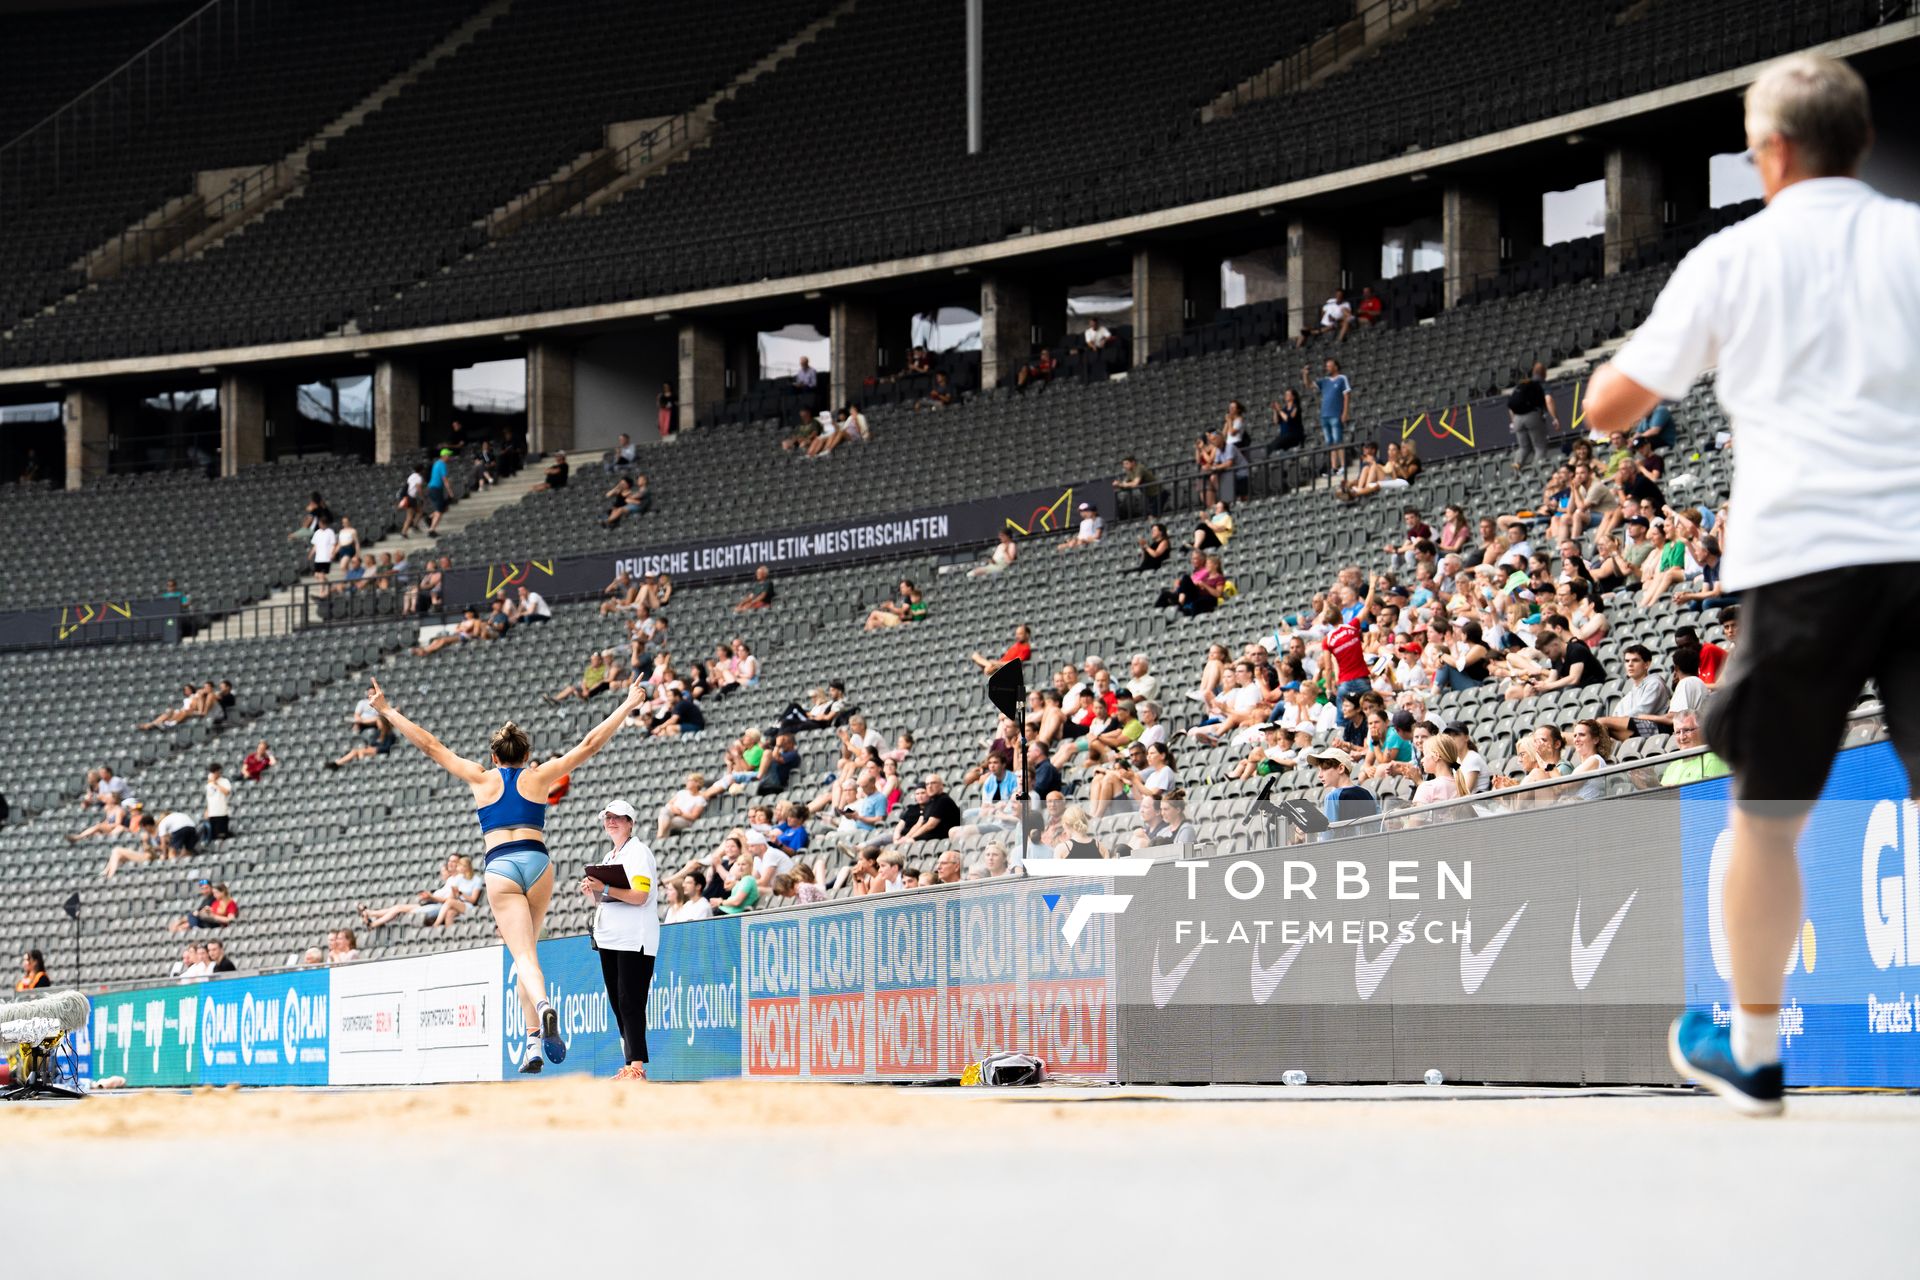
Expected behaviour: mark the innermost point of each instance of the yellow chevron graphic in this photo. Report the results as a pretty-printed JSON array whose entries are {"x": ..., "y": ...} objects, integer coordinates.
[
  {"x": 512, "y": 575},
  {"x": 75, "y": 616},
  {"x": 1444, "y": 423},
  {"x": 1044, "y": 519}
]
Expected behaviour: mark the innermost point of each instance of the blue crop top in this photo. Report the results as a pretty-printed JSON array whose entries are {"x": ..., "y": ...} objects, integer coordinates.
[{"x": 512, "y": 809}]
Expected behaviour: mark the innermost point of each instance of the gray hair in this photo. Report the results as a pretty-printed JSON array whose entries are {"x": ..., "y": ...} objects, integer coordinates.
[{"x": 1820, "y": 105}]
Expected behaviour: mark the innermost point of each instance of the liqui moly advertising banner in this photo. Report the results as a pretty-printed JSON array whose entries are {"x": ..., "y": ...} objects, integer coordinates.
[{"x": 917, "y": 985}]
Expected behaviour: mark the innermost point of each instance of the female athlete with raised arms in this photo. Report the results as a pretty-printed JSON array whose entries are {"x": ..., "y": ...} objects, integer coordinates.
[{"x": 511, "y": 800}]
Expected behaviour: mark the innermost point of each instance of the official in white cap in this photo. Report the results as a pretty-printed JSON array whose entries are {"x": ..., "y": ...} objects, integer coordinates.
[{"x": 626, "y": 933}]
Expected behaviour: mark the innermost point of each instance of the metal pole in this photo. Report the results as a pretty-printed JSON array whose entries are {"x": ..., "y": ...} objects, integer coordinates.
[{"x": 976, "y": 53}]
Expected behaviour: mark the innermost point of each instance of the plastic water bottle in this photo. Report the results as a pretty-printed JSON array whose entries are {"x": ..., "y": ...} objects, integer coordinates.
[
  {"x": 1293, "y": 1077},
  {"x": 1434, "y": 1076}
]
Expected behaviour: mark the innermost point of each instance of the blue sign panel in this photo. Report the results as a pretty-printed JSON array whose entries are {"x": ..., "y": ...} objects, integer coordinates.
[
  {"x": 267, "y": 1030},
  {"x": 694, "y": 1010},
  {"x": 1854, "y": 975},
  {"x": 577, "y": 990}
]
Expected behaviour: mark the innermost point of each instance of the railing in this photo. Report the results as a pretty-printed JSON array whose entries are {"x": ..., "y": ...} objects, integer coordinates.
[
  {"x": 1865, "y": 725},
  {"x": 138, "y": 246},
  {"x": 557, "y": 195},
  {"x": 208, "y": 41},
  {"x": 1298, "y": 70}
]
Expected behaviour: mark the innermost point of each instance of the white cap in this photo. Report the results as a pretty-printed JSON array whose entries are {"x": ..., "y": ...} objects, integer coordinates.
[{"x": 620, "y": 808}]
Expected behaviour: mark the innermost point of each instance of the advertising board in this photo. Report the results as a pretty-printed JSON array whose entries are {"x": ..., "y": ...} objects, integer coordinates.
[
  {"x": 416, "y": 1020},
  {"x": 1854, "y": 974},
  {"x": 271, "y": 1029}
]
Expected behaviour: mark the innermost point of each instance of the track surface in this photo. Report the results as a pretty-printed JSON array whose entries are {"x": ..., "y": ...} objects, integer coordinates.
[{"x": 575, "y": 1177}]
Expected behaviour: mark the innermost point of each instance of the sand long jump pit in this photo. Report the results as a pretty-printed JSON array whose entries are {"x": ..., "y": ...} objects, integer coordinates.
[{"x": 801, "y": 1179}]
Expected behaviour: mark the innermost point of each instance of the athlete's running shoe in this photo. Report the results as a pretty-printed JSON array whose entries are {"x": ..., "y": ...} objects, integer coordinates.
[
  {"x": 1703, "y": 1052},
  {"x": 532, "y": 1066},
  {"x": 550, "y": 1041},
  {"x": 632, "y": 1071}
]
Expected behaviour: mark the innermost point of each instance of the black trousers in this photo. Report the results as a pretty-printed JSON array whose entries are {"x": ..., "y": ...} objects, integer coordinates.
[{"x": 628, "y": 975}]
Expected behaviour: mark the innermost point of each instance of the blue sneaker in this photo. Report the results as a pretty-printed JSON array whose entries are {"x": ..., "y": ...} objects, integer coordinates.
[
  {"x": 550, "y": 1041},
  {"x": 1703, "y": 1053}
]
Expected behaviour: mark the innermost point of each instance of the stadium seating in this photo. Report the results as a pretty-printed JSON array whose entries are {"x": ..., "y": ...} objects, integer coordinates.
[
  {"x": 54, "y": 55},
  {"x": 225, "y": 541},
  {"x": 308, "y": 67}
]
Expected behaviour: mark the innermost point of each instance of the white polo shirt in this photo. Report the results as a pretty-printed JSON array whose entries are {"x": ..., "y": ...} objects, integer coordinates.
[
  {"x": 1811, "y": 311},
  {"x": 621, "y": 926}
]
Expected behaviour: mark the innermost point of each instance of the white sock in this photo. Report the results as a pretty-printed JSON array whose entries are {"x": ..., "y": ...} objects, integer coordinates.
[
  {"x": 1756, "y": 1038},
  {"x": 540, "y": 1009},
  {"x": 533, "y": 1045}
]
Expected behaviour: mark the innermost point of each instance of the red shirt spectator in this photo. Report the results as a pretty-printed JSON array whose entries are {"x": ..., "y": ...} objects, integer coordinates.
[
  {"x": 1349, "y": 653},
  {"x": 1369, "y": 308},
  {"x": 1712, "y": 658},
  {"x": 257, "y": 762}
]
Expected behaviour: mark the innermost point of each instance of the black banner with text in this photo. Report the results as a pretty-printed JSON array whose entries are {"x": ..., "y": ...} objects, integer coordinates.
[{"x": 812, "y": 546}]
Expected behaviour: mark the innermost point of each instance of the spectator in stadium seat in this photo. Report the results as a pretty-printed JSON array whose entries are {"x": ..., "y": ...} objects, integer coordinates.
[
  {"x": 1657, "y": 427},
  {"x": 938, "y": 815},
  {"x": 906, "y": 607},
  {"x": 190, "y": 708},
  {"x": 1574, "y": 666},
  {"x": 1336, "y": 406},
  {"x": 379, "y": 742},
  {"x": 1154, "y": 549},
  {"x": 1336, "y": 317},
  {"x": 1020, "y": 649},
  {"x": 940, "y": 395},
  {"x": 684, "y": 808},
  {"x": 1175, "y": 829},
  {"x": 1592, "y": 748},
  {"x": 470, "y": 627},
  {"x": 627, "y": 498},
  {"x": 218, "y": 961},
  {"x": 459, "y": 890},
  {"x": 1647, "y": 695},
  {"x": 1038, "y": 370},
  {"x": 623, "y": 454},
  {"x": 218, "y": 913},
  {"x": 146, "y": 847},
  {"x": 686, "y": 897},
  {"x": 1440, "y": 760},
  {"x": 804, "y": 377},
  {"x": 1464, "y": 664},
  {"x": 1005, "y": 552},
  {"x": 1289, "y": 423},
  {"x": 1341, "y": 800},
  {"x": 593, "y": 679},
  {"x": 1369, "y": 311},
  {"x": 342, "y": 947},
  {"x": 1096, "y": 337},
  {"x": 1694, "y": 768},
  {"x": 1529, "y": 410},
  {"x": 1141, "y": 492},
  {"x": 741, "y": 886},
  {"x": 427, "y": 593},
  {"x": 531, "y": 606},
  {"x": 1077, "y": 837},
  {"x": 759, "y": 594},
  {"x": 557, "y": 473},
  {"x": 777, "y": 765},
  {"x": 193, "y": 962},
  {"x": 1090, "y": 530}
]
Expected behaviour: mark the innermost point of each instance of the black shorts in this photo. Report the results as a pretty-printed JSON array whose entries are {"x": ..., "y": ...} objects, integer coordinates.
[
  {"x": 1807, "y": 646},
  {"x": 439, "y": 496}
]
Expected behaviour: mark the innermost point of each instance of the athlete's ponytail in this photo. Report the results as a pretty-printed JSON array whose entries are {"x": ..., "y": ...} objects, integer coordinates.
[{"x": 511, "y": 745}]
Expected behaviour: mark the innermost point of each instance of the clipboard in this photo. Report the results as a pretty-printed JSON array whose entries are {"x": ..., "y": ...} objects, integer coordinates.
[{"x": 612, "y": 875}]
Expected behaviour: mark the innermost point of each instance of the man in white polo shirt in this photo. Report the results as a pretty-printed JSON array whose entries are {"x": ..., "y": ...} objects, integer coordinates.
[{"x": 1810, "y": 310}]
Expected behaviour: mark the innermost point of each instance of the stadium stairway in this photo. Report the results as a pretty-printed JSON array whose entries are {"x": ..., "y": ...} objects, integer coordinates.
[{"x": 279, "y": 614}]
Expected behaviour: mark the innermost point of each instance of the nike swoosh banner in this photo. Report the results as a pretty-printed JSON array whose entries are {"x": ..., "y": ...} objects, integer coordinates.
[{"x": 1452, "y": 947}]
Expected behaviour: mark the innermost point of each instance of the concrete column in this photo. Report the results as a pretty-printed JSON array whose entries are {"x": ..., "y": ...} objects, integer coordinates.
[
  {"x": 396, "y": 411},
  {"x": 1470, "y": 238},
  {"x": 85, "y": 416},
  {"x": 703, "y": 371},
  {"x": 1159, "y": 301},
  {"x": 1313, "y": 271},
  {"x": 1633, "y": 203},
  {"x": 549, "y": 397},
  {"x": 853, "y": 348},
  {"x": 1006, "y": 330},
  {"x": 243, "y": 422}
]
